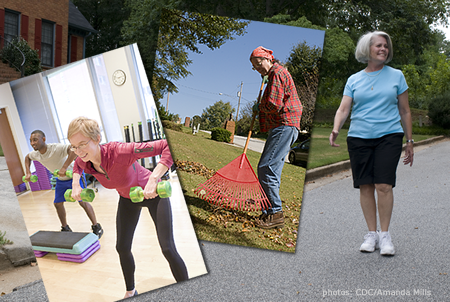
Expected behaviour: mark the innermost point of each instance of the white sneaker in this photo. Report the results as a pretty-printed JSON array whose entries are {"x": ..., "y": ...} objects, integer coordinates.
[
  {"x": 370, "y": 243},
  {"x": 386, "y": 246}
]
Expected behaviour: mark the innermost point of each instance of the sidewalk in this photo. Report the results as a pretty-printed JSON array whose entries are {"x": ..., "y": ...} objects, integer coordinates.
[
  {"x": 15, "y": 259},
  {"x": 11, "y": 221}
]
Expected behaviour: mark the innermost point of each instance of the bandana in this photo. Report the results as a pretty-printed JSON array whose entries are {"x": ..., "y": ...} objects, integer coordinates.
[{"x": 262, "y": 53}]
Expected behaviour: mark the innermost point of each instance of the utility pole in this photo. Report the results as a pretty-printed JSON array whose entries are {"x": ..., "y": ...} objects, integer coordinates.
[
  {"x": 167, "y": 105},
  {"x": 239, "y": 102}
]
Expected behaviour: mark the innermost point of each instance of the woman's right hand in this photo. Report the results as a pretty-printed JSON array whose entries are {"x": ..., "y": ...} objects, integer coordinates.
[
  {"x": 76, "y": 191},
  {"x": 333, "y": 136}
]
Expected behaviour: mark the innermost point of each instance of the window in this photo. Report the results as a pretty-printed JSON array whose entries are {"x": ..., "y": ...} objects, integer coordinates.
[
  {"x": 47, "y": 43},
  {"x": 73, "y": 95},
  {"x": 11, "y": 25}
]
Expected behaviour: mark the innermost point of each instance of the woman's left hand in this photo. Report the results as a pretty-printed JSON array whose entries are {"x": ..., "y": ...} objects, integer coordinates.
[
  {"x": 409, "y": 154},
  {"x": 150, "y": 189}
]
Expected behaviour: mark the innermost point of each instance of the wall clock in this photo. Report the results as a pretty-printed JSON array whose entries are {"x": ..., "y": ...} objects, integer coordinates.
[{"x": 119, "y": 77}]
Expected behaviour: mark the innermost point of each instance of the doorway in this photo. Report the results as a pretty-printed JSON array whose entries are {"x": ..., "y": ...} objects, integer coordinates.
[{"x": 10, "y": 150}]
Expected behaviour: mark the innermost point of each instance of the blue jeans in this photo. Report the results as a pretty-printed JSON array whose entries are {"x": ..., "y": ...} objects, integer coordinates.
[{"x": 278, "y": 144}]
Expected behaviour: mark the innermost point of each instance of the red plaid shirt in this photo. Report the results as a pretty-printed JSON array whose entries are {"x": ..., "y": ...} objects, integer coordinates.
[{"x": 279, "y": 104}]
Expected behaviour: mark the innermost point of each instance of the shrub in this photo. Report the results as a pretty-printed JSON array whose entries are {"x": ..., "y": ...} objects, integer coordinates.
[
  {"x": 439, "y": 110},
  {"x": 171, "y": 125},
  {"x": 10, "y": 54},
  {"x": 430, "y": 130},
  {"x": 221, "y": 135},
  {"x": 3, "y": 239}
]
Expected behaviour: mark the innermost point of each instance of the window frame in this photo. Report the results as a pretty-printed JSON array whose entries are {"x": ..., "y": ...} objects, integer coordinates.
[
  {"x": 48, "y": 46},
  {"x": 17, "y": 34}
]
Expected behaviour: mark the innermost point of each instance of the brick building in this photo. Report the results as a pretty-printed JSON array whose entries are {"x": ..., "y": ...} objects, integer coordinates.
[{"x": 56, "y": 28}]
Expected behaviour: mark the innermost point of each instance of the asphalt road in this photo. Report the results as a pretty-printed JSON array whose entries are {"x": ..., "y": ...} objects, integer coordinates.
[{"x": 327, "y": 264}]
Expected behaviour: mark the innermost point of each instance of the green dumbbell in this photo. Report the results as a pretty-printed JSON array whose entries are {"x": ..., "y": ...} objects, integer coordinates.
[
  {"x": 87, "y": 195},
  {"x": 164, "y": 190},
  {"x": 69, "y": 173},
  {"x": 33, "y": 178}
]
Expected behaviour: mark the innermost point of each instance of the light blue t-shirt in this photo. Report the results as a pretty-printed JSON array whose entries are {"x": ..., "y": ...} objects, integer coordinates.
[{"x": 375, "y": 104}]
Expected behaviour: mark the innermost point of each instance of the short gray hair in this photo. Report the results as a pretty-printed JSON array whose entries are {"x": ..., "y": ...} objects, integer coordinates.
[{"x": 362, "y": 53}]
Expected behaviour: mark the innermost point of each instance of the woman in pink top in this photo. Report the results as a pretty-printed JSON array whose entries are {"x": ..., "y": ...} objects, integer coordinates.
[{"x": 115, "y": 166}]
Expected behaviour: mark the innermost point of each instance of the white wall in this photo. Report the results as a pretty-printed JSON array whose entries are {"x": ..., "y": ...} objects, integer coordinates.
[
  {"x": 34, "y": 109},
  {"x": 125, "y": 96}
]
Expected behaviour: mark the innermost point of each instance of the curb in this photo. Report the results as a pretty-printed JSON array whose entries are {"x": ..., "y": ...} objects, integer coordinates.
[
  {"x": 37, "y": 282},
  {"x": 19, "y": 254},
  {"x": 320, "y": 172}
]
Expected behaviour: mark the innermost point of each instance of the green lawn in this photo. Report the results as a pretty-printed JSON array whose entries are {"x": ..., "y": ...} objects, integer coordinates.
[
  {"x": 322, "y": 154},
  {"x": 228, "y": 226}
]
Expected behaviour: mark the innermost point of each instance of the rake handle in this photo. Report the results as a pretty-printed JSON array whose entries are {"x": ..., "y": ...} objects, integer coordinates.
[{"x": 253, "y": 119}]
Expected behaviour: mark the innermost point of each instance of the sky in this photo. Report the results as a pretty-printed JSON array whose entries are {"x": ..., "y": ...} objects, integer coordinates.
[
  {"x": 217, "y": 75},
  {"x": 445, "y": 30}
]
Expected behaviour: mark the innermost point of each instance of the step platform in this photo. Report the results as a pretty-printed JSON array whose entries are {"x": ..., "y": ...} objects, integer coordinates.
[{"x": 68, "y": 246}]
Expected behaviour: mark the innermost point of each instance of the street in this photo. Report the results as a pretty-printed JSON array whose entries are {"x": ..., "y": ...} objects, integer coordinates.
[{"x": 327, "y": 264}]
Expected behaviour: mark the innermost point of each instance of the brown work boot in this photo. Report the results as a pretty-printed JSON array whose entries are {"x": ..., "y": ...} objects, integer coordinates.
[{"x": 270, "y": 221}]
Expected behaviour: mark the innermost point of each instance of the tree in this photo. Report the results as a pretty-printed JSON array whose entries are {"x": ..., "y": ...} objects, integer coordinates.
[
  {"x": 10, "y": 54},
  {"x": 107, "y": 17},
  {"x": 196, "y": 119},
  {"x": 246, "y": 114},
  {"x": 303, "y": 64},
  {"x": 407, "y": 22},
  {"x": 215, "y": 115},
  {"x": 175, "y": 118},
  {"x": 167, "y": 60},
  {"x": 337, "y": 52}
]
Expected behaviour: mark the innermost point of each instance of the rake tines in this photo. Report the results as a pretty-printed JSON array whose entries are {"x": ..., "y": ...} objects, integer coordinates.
[{"x": 235, "y": 186}]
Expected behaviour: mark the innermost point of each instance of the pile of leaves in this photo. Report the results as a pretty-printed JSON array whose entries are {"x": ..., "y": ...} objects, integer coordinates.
[
  {"x": 194, "y": 168},
  {"x": 231, "y": 226},
  {"x": 246, "y": 222}
]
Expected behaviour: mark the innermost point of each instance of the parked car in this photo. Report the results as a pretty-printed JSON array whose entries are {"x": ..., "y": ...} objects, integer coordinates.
[{"x": 299, "y": 153}]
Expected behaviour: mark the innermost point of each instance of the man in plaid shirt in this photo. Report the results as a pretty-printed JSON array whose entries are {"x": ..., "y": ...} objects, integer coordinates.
[{"x": 280, "y": 112}]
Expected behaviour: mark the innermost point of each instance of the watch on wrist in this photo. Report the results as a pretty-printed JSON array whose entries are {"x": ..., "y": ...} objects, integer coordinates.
[{"x": 410, "y": 141}]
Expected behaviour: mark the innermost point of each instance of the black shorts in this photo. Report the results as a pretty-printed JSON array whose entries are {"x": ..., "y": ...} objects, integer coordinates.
[{"x": 375, "y": 161}]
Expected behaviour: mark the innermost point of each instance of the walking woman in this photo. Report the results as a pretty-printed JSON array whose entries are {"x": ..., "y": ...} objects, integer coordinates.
[
  {"x": 378, "y": 96},
  {"x": 115, "y": 166}
]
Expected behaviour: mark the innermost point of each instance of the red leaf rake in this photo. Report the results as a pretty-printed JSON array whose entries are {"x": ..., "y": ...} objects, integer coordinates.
[{"x": 236, "y": 186}]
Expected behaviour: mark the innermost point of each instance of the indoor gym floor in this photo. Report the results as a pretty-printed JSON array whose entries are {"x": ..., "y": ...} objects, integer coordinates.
[{"x": 100, "y": 277}]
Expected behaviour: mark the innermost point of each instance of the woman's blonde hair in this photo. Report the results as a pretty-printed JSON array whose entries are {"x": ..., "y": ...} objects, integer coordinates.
[
  {"x": 362, "y": 53},
  {"x": 85, "y": 126}
]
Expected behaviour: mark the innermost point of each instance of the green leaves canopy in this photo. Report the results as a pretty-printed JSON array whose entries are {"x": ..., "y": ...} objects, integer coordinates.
[{"x": 215, "y": 115}]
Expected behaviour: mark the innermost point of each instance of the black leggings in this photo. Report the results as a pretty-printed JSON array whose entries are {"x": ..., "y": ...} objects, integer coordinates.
[{"x": 126, "y": 221}]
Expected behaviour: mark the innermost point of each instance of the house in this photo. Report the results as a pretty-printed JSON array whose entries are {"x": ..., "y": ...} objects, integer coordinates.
[{"x": 56, "y": 28}]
